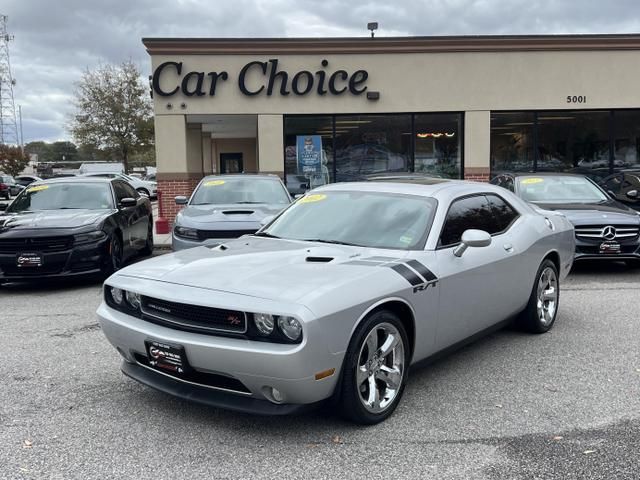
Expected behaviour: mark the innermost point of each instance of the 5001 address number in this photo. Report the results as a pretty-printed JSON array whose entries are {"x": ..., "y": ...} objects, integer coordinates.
[{"x": 576, "y": 99}]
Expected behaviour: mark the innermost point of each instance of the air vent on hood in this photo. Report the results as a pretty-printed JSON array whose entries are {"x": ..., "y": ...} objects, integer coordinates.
[
  {"x": 238, "y": 212},
  {"x": 319, "y": 259}
]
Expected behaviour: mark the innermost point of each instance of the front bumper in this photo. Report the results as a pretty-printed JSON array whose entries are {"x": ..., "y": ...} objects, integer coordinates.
[
  {"x": 255, "y": 366},
  {"x": 74, "y": 261},
  {"x": 181, "y": 243},
  {"x": 590, "y": 250}
]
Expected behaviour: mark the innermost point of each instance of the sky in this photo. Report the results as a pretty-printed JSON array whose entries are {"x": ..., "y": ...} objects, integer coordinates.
[{"x": 55, "y": 40}]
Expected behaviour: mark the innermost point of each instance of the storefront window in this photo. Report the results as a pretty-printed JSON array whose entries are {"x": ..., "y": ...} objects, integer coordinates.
[
  {"x": 368, "y": 144},
  {"x": 438, "y": 144},
  {"x": 574, "y": 141},
  {"x": 512, "y": 142},
  {"x": 626, "y": 139},
  {"x": 308, "y": 152}
]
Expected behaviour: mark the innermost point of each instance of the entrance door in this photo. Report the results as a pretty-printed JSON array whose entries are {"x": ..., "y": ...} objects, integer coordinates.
[{"x": 231, "y": 163}]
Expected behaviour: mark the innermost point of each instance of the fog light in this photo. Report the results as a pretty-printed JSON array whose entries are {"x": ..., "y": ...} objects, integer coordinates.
[
  {"x": 133, "y": 299},
  {"x": 277, "y": 395},
  {"x": 117, "y": 295},
  {"x": 264, "y": 323}
]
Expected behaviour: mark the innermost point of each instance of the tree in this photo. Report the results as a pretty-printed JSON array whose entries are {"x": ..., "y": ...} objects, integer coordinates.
[
  {"x": 113, "y": 110},
  {"x": 12, "y": 160}
]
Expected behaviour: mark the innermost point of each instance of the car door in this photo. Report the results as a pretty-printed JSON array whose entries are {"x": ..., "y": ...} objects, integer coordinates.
[
  {"x": 134, "y": 218},
  {"x": 476, "y": 289}
]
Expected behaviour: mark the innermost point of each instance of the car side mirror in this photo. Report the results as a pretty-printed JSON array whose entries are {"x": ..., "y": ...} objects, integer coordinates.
[
  {"x": 266, "y": 220},
  {"x": 128, "y": 202},
  {"x": 181, "y": 200},
  {"x": 632, "y": 194},
  {"x": 472, "y": 238}
]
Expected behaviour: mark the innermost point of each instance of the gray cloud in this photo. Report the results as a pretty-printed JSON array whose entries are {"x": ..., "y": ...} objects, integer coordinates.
[{"x": 55, "y": 41}]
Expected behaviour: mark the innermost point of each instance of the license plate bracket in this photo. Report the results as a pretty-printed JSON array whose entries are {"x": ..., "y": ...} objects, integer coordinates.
[
  {"x": 167, "y": 358},
  {"x": 29, "y": 260},
  {"x": 609, "y": 248}
]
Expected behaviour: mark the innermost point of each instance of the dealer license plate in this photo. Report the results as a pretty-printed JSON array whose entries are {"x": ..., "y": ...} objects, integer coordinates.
[
  {"x": 609, "y": 247},
  {"x": 29, "y": 260},
  {"x": 167, "y": 358}
]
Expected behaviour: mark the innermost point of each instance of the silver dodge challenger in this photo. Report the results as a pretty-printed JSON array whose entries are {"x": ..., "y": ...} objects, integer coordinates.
[{"x": 336, "y": 297}]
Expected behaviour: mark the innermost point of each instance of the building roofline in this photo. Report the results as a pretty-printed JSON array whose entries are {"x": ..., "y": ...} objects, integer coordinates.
[{"x": 379, "y": 45}]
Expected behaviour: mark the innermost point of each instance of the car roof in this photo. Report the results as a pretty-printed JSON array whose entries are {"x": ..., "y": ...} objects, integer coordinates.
[
  {"x": 540, "y": 174},
  {"x": 80, "y": 179},
  {"x": 269, "y": 176},
  {"x": 450, "y": 188}
]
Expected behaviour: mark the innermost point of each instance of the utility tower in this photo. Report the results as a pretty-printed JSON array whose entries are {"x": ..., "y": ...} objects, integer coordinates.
[{"x": 8, "y": 124}]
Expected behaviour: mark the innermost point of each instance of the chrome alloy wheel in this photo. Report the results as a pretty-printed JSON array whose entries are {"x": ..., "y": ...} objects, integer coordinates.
[
  {"x": 380, "y": 367},
  {"x": 547, "y": 296}
]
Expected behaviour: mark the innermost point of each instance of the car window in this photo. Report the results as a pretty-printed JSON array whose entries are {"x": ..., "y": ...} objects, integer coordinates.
[
  {"x": 466, "y": 213},
  {"x": 503, "y": 213},
  {"x": 124, "y": 190},
  {"x": 613, "y": 183},
  {"x": 57, "y": 196},
  {"x": 220, "y": 191}
]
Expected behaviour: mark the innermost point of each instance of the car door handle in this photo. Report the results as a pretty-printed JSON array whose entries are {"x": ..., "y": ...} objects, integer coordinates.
[{"x": 508, "y": 247}]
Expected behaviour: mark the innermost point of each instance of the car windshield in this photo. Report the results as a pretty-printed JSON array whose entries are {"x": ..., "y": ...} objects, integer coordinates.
[
  {"x": 219, "y": 191},
  {"x": 57, "y": 196},
  {"x": 559, "y": 189},
  {"x": 7, "y": 179},
  {"x": 367, "y": 219}
]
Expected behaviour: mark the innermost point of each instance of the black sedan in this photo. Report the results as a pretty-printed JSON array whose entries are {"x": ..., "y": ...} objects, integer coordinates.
[
  {"x": 605, "y": 228},
  {"x": 624, "y": 187},
  {"x": 67, "y": 227}
]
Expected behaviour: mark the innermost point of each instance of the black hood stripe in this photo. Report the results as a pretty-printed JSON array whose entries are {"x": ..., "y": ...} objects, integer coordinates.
[
  {"x": 408, "y": 274},
  {"x": 422, "y": 270}
]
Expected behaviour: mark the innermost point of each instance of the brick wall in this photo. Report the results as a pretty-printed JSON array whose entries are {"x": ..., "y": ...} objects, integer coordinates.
[
  {"x": 171, "y": 189},
  {"x": 477, "y": 174}
]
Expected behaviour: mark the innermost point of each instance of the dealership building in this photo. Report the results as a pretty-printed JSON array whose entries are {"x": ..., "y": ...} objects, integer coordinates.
[{"x": 321, "y": 110}]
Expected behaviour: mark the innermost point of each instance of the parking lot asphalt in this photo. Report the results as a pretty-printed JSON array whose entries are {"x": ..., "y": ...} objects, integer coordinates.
[{"x": 562, "y": 405}]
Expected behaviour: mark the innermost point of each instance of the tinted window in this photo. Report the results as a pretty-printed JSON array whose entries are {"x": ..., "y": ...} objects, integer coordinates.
[
  {"x": 503, "y": 213},
  {"x": 613, "y": 183},
  {"x": 57, "y": 196},
  {"x": 248, "y": 190},
  {"x": 123, "y": 190},
  {"x": 466, "y": 213},
  {"x": 369, "y": 219}
]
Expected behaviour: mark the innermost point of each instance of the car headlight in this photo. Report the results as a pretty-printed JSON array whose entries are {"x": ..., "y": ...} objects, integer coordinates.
[
  {"x": 185, "y": 232},
  {"x": 133, "y": 299},
  {"x": 117, "y": 295},
  {"x": 89, "y": 237},
  {"x": 264, "y": 323},
  {"x": 291, "y": 327}
]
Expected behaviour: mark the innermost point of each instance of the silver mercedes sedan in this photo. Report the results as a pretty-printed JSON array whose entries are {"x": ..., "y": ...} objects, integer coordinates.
[{"x": 338, "y": 296}]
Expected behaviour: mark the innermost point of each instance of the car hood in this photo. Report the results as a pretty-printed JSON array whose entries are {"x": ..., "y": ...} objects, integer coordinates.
[
  {"x": 201, "y": 216},
  {"x": 265, "y": 268},
  {"x": 610, "y": 212},
  {"x": 52, "y": 218}
]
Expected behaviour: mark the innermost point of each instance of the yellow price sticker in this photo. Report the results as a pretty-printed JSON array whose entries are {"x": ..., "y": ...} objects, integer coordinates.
[
  {"x": 316, "y": 197},
  {"x": 37, "y": 188},
  {"x": 213, "y": 183},
  {"x": 530, "y": 181}
]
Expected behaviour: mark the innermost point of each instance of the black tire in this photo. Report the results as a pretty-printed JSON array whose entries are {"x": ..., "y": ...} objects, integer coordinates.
[
  {"x": 531, "y": 319},
  {"x": 114, "y": 258},
  {"x": 148, "y": 247},
  {"x": 350, "y": 403},
  {"x": 143, "y": 191}
]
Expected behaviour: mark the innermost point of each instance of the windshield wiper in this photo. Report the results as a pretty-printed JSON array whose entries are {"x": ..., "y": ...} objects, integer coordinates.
[
  {"x": 334, "y": 242},
  {"x": 265, "y": 234}
]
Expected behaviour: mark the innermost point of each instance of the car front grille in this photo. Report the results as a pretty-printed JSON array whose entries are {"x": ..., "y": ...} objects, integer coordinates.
[
  {"x": 207, "y": 234},
  {"x": 607, "y": 232},
  {"x": 181, "y": 316},
  {"x": 35, "y": 244}
]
